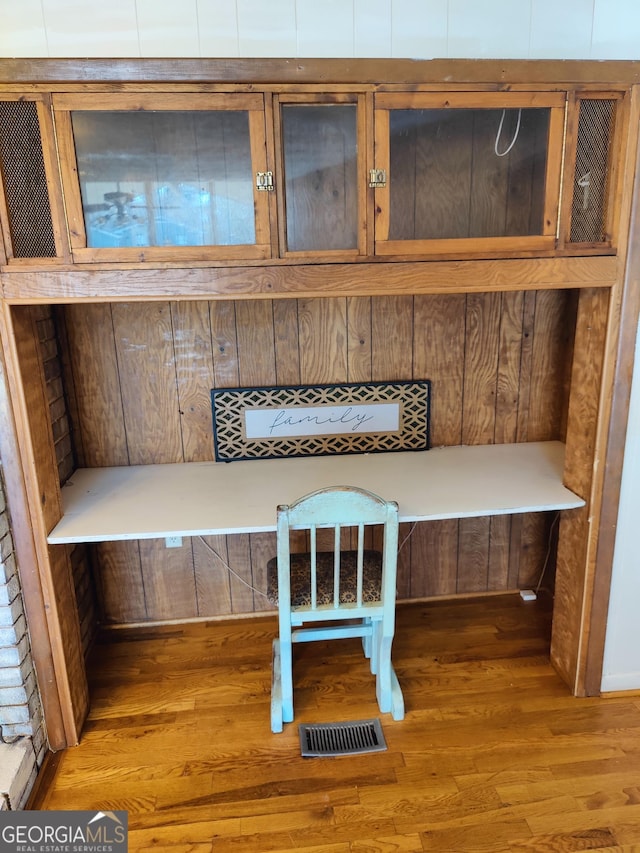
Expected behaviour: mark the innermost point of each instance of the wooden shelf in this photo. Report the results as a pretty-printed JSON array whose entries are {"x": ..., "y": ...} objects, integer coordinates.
[
  {"x": 204, "y": 498},
  {"x": 285, "y": 279}
]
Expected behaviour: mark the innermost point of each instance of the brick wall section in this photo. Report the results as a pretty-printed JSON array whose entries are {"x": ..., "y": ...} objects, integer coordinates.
[
  {"x": 20, "y": 708},
  {"x": 51, "y": 336},
  {"x": 58, "y": 409},
  {"x": 22, "y": 726}
]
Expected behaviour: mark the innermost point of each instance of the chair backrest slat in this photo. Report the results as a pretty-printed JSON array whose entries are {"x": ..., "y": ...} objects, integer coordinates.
[
  {"x": 336, "y": 566},
  {"x": 360, "y": 566},
  {"x": 314, "y": 570}
]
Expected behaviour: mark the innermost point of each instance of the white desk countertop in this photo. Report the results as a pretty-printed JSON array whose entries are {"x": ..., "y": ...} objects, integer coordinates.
[{"x": 202, "y": 498}]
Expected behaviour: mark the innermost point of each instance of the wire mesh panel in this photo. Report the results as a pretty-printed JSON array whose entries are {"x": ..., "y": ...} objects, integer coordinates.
[
  {"x": 591, "y": 180},
  {"x": 25, "y": 182}
]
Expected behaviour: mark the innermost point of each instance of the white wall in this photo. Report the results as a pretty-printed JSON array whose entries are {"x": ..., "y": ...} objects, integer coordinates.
[
  {"x": 621, "y": 670},
  {"x": 537, "y": 29},
  {"x": 421, "y": 29}
]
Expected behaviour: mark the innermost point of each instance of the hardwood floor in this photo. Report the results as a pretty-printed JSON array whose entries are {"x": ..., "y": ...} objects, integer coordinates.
[{"x": 493, "y": 755}]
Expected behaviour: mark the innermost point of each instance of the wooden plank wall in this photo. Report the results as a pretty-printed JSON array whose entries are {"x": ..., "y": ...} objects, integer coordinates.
[
  {"x": 140, "y": 376},
  {"x": 450, "y": 182}
]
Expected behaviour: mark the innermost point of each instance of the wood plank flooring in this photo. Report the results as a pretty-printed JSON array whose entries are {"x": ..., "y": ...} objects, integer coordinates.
[{"x": 493, "y": 755}]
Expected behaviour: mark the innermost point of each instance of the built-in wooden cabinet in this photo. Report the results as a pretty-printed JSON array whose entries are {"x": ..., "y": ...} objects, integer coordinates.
[
  {"x": 191, "y": 225},
  {"x": 171, "y": 175}
]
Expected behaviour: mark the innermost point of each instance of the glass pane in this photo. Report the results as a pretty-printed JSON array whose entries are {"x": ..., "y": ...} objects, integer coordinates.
[
  {"x": 165, "y": 178},
  {"x": 467, "y": 173},
  {"x": 321, "y": 177}
]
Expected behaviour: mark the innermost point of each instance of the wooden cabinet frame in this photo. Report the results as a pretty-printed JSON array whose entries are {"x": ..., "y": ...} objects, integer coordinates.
[
  {"x": 253, "y": 105},
  {"x": 616, "y": 174},
  {"x": 386, "y": 102},
  {"x": 604, "y": 279},
  {"x": 52, "y": 177},
  {"x": 361, "y": 193}
]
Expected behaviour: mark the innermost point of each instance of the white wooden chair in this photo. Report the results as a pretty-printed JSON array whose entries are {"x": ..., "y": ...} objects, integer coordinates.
[{"x": 354, "y": 591}]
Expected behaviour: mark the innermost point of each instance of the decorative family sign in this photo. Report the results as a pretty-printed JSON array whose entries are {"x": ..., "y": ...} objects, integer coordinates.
[{"x": 316, "y": 420}]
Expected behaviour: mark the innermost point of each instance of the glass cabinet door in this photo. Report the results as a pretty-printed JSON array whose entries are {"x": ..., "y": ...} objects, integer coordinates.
[
  {"x": 168, "y": 177},
  {"x": 321, "y": 164},
  {"x": 467, "y": 171}
]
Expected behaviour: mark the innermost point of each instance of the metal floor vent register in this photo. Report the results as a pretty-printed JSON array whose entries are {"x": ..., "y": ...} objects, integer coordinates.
[{"x": 330, "y": 739}]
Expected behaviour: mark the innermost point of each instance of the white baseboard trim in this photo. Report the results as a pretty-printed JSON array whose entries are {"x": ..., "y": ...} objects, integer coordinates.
[{"x": 624, "y": 681}]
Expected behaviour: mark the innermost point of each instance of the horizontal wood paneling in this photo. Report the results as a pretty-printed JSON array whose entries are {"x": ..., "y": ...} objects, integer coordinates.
[{"x": 144, "y": 372}]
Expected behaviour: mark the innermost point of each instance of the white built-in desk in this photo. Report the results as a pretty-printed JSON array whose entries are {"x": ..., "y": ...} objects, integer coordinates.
[{"x": 202, "y": 498}]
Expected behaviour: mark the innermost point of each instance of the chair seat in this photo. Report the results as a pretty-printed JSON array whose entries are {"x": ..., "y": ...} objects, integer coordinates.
[{"x": 301, "y": 575}]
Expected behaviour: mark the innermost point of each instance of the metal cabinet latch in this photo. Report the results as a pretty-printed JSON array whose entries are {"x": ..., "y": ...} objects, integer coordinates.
[
  {"x": 264, "y": 181},
  {"x": 377, "y": 178}
]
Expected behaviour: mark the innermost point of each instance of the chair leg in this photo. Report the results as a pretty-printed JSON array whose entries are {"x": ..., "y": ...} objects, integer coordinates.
[
  {"x": 376, "y": 634},
  {"x": 367, "y": 639},
  {"x": 383, "y": 675},
  {"x": 286, "y": 670},
  {"x": 276, "y": 689},
  {"x": 397, "y": 699},
  {"x": 388, "y": 690},
  {"x": 281, "y": 685}
]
